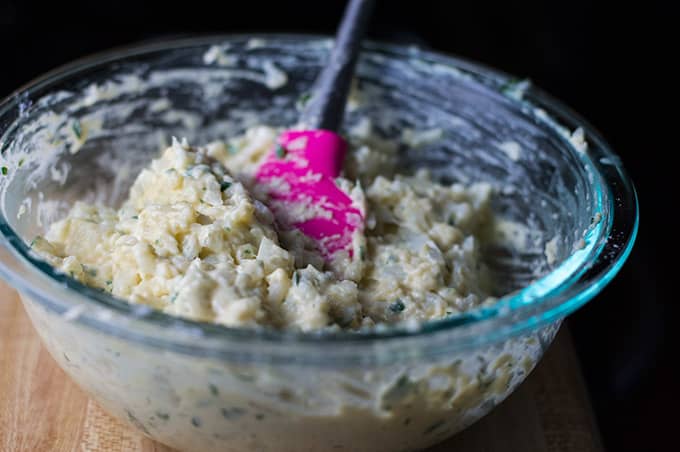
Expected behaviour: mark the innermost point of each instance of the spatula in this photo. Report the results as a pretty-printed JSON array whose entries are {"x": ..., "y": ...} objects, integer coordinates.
[{"x": 299, "y": 174}]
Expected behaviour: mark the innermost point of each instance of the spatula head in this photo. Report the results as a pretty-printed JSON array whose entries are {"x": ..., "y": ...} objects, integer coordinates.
[{"x": 299, "y": 178}]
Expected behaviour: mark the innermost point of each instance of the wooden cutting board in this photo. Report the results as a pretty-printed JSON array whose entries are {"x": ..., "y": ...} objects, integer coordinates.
[{"x": 41, "y": 409}]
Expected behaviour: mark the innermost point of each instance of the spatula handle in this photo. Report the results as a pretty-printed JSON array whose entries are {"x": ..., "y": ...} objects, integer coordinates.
[{"x": 326, "y": 107}]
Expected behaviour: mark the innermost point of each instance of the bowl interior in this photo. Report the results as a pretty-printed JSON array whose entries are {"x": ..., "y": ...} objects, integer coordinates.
[{"x": 87, "y": 134}]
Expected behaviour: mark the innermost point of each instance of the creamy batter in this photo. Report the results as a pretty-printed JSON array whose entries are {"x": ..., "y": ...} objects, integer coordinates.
[{"x": 196, "y": 239}]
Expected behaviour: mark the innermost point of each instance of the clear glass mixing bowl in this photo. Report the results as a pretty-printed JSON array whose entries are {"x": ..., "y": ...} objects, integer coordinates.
[{"x": 84, "y": 131}]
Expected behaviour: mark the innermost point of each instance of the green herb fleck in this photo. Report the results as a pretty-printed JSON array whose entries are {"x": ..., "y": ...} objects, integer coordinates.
[
  {"x": 362, "y": 252},
  {"x": 225, "y": 185},
  {"x": 135, "y": 217},
  {"x": 187, "y": 172},
  {"x": 173, "y": 297},
  {"x": 162, "y": 416},
  {"x": 402, "y": 382},
  {"x": 296, "y": 277},
  {"x": 77, "y": 129},
  {"x": 109, "y": 282},
  {"x": 259, "y": 416},
  {"x": 483, "y": 380},
  {"x": 213, "y": 390},
  {"x": 231, "y": 413},
  {"x": 227, "y": 229},
  {"x": 195, "y": 421},
  {"x": 397, "y": 306},
  {"x": 4, "y": 170},
  {"x": 280, "y": 151},
  {"x": 35, "y": 240},
  {"x": 21, "y": 162},
  {"x": 157, "y": 242},
  {"x": 433, "y": 427},
  {"x": 452, "y": 220},
  {"x": 303, "y": 99},
  {"x": 89, "y": 270},
  {"x": 510, "y": 85},
  {"x": 136, "y": 422}
]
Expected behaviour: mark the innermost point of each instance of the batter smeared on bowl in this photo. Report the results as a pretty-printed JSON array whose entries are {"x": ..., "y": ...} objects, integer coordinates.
[{"x": 196, "y": 239}]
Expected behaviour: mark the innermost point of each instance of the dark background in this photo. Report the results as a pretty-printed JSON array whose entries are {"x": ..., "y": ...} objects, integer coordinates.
[{"x": 610, "y": 62}]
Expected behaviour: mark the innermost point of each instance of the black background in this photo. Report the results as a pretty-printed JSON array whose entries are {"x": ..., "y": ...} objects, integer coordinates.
[{"x": 609, "y": 61}]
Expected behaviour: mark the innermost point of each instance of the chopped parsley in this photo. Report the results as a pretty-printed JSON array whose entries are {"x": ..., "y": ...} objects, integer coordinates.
[
  {"x": 173, "y": 297},
  {"x": 296, "y": 277},
  {"x": 280, "y": 151},
  {"x": 21, "y": 162},
  {"x": 303, "y": 99},
  {"x": 195, "y": 421},
  {"x": 362, "y": 252},
  {"x": 4, "y": 170},
  {"x": 403, "y": 381},
  {"x": 89, "y": 270},
  {"x": 510, "y": 85},
  {"x": 483, "y": 381},
  {"x": 397, "y": 306},
  {"x": 136, "y": 422},
  {"x": 213, "y": 390},
  {"x": 433, "y": 427},
  {"x": 135, "y": 217},
  {"x": 231, "y": 413},
  {"x": 77, "y": 129},
  {"x": 196, "y": 170},
  {"x": 162, "y": 416},
  {"x": 35, "y": 240},
  {"x": 225, "y": 185}
]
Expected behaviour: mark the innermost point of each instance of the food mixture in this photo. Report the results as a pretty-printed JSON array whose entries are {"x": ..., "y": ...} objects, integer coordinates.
[{"x": 196, "y": 239}]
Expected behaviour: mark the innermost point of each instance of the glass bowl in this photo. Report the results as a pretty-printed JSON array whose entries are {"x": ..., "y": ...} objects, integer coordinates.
[{"x": 85, "y": 130}]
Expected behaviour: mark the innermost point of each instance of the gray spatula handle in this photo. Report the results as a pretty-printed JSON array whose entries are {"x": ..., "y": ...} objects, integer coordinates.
[{"x": 326, "y": 107}]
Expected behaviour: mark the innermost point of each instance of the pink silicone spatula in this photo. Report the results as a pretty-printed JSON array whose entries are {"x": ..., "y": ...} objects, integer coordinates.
[{"x": 299, "y": 174}]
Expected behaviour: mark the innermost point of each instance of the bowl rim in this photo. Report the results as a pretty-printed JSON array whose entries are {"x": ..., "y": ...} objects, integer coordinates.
[{"x": 567, "y": 286}]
